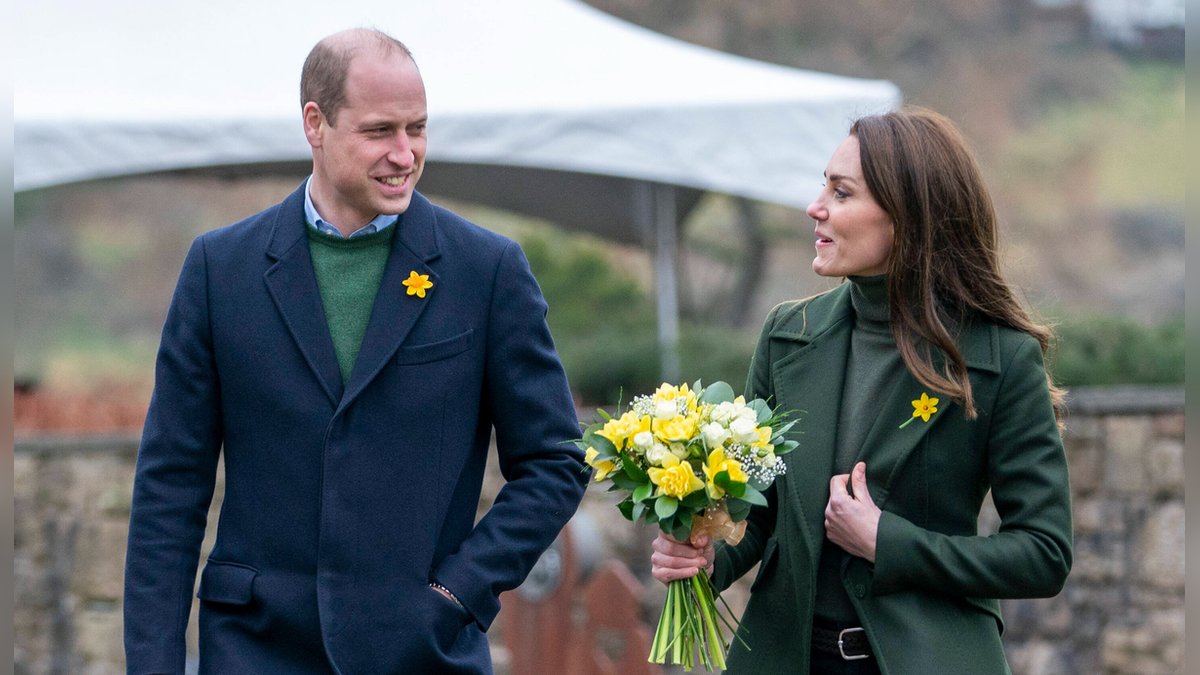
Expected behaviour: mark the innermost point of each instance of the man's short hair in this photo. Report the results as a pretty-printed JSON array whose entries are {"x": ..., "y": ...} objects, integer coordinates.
[{"x": 323, "y": 79}]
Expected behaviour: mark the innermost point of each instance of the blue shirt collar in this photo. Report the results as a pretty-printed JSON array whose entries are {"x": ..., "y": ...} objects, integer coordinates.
[{"x": 378, "y": 224}]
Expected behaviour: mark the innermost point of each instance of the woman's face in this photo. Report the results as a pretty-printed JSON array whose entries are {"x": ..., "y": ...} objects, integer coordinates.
[{"x": 854, "y": 235}]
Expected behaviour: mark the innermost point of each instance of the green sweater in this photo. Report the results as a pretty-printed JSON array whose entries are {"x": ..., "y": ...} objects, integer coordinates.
[
  {"x": 348, "y": 272},
  {"x": 872, "y": 363}
]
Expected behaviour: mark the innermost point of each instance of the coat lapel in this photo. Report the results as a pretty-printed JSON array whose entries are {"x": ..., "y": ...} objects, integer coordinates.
[
  {"x": 887, "y": 445},
  {"x": 394, "y": 313},
  {"x": 293, "y": 287},
  {"x": 811, "y": 379}
]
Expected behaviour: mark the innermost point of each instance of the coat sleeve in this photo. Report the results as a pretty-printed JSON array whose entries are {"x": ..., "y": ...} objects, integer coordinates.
[
  {"x": 174, "y": 479},
  {"x": 1030, "y": 556},
  {"x": 733, "y": 561},
  {"x": 533, "y": 414}
]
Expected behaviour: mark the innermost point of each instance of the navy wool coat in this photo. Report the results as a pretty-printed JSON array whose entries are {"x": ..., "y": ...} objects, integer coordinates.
[{"x": 343, "y": 503}]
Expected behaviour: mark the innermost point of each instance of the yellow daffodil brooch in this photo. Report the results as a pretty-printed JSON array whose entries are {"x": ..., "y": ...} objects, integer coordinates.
[
  {"x": 924, "y": 408},
  {"x": 419, "y": 283}
]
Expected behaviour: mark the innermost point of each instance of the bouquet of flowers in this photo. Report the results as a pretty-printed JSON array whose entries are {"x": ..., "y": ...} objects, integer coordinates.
[{"x": 694, "y": 461}]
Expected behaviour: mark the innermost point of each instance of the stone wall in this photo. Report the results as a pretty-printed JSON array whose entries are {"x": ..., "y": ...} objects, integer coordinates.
[{"x": 1121, "y": 612}]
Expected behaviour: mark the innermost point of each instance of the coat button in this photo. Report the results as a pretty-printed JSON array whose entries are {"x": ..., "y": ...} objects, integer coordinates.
[{"x": 860, "y": 590}]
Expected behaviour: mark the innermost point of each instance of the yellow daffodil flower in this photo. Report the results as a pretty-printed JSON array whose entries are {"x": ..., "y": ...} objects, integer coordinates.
[
  {"x": 923, "y": 407},
  {"x": 764, "y": 439},
  {"x": 675, "y": 478},
  {"x": 678, "y": 429},
  {"x": 603, "y": 467},
  {"x": 669, "y": 392},
  {"x": 417, "y": 284},
  {"x": 718, "y": 462},
  {"x": 621, "y": 430}
]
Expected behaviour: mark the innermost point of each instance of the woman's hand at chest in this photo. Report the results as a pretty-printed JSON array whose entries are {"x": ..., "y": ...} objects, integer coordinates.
[{"x": 851, "y": 517}]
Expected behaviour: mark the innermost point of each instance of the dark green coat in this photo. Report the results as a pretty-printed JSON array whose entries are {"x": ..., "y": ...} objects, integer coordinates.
[{"x": 930, "y": 602}]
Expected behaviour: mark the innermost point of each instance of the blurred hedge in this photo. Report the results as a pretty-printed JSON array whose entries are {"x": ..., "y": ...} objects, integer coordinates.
[
  {"x": 605, "y": 327},
  {"x": 1098, "y": 349}
]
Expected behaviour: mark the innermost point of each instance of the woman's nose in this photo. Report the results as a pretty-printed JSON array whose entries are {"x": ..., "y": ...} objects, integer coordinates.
[{"x": 815, "y": 210}]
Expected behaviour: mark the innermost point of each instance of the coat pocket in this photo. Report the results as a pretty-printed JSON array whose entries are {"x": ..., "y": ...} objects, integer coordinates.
[
  {"x": 435, "y": 351},
  {"x": 229, "y": 583}
]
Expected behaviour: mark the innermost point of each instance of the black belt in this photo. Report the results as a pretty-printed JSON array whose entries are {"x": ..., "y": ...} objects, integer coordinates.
[{"x": 849, "y": 643}]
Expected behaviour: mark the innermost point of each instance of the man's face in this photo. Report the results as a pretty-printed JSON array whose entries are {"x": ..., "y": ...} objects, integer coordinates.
[{"x": 368, "y": 162}]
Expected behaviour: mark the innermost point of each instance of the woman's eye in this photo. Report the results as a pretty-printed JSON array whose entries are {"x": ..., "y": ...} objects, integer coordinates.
[{"x": 840, "y": 193}]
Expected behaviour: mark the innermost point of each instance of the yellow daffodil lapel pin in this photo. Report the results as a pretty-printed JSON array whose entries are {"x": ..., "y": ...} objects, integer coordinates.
[
  {"x": 419, "y": 283},
  {"x": 924, "y": 408}
]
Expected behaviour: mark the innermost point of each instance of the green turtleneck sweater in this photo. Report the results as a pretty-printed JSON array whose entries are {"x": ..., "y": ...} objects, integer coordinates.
[
  {"x": 348, "y": 272},
  {"x": 872, "y": 365}
]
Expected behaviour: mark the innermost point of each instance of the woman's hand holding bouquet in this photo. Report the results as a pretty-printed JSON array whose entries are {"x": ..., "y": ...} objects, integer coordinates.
[{"x": 694, "y": 461}]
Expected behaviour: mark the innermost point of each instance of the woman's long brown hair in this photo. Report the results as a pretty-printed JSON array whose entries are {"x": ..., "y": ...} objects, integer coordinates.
[{"x": 944, "y": 267}]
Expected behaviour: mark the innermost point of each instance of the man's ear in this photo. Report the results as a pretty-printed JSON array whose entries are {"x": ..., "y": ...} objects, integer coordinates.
[{"x": 314, "y": 124}]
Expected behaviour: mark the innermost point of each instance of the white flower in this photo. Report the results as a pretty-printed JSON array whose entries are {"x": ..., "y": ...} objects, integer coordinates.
[
  {"x": 744, "y": 430},
  {"x": 665, "y": 410},
  {"x": 749, "y": 414},
  {"x": 714, "y": 434},
  {"x": 679, "y": 450},
  {"x": 656, "y": 453},
  {"x": 643, "y": 439},
  {"x": 724, "y": 412}
]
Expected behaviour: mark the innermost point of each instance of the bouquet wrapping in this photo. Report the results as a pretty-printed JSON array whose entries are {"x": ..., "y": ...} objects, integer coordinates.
[{"x": 693, "y": 461}]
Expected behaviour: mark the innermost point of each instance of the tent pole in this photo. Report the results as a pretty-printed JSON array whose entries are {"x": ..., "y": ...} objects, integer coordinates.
[{"x": 656, "y": 211}]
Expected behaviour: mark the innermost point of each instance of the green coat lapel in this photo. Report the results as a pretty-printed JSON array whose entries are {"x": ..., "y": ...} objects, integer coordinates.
[
  {"x": 888, "y": 445},
  {"x": 810, "y": 379}
]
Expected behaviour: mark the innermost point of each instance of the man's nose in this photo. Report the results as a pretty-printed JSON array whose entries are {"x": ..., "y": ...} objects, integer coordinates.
[{"x": 401, "y": 152}]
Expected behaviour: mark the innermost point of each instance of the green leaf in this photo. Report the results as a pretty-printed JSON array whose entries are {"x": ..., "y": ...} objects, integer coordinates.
[
  {"x": 760, "y": 406},
  {"x": 666, "y": 506},
  {"x": 695, "y": 500},
  {"x": 604, "y": 414},
  {"x": 786, "y": 447},
  {"x": 642, "y": 492},
  {"x": 723, "y": 481},
  {"x": 632, "y": 470},
  {"x": 626, "y": 509},
  {"x": 624, "y": 482},
  {"x": 603, "y": 446},
  {"x": 754, "y": 497},
  {"x": 685, "y": 518},
  {"x": 638, "y": 510},
  {"x": 736, "y": 489},
  {"x": 738, "y": 509},
  {"x": 717, "y": 392},
  {"x": 783, "y": 429},
  {"x": 681, "y": 532}
]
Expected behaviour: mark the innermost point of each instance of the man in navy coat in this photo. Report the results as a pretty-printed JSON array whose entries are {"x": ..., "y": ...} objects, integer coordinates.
[{"x": 350, "y": 351}]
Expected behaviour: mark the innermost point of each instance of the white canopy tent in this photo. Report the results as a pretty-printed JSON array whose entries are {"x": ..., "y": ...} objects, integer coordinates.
[{"x": 548, "y": 107}]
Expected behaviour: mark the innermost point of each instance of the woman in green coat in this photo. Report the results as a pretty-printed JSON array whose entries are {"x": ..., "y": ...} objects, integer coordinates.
[{"x": 921, "y": 386}]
